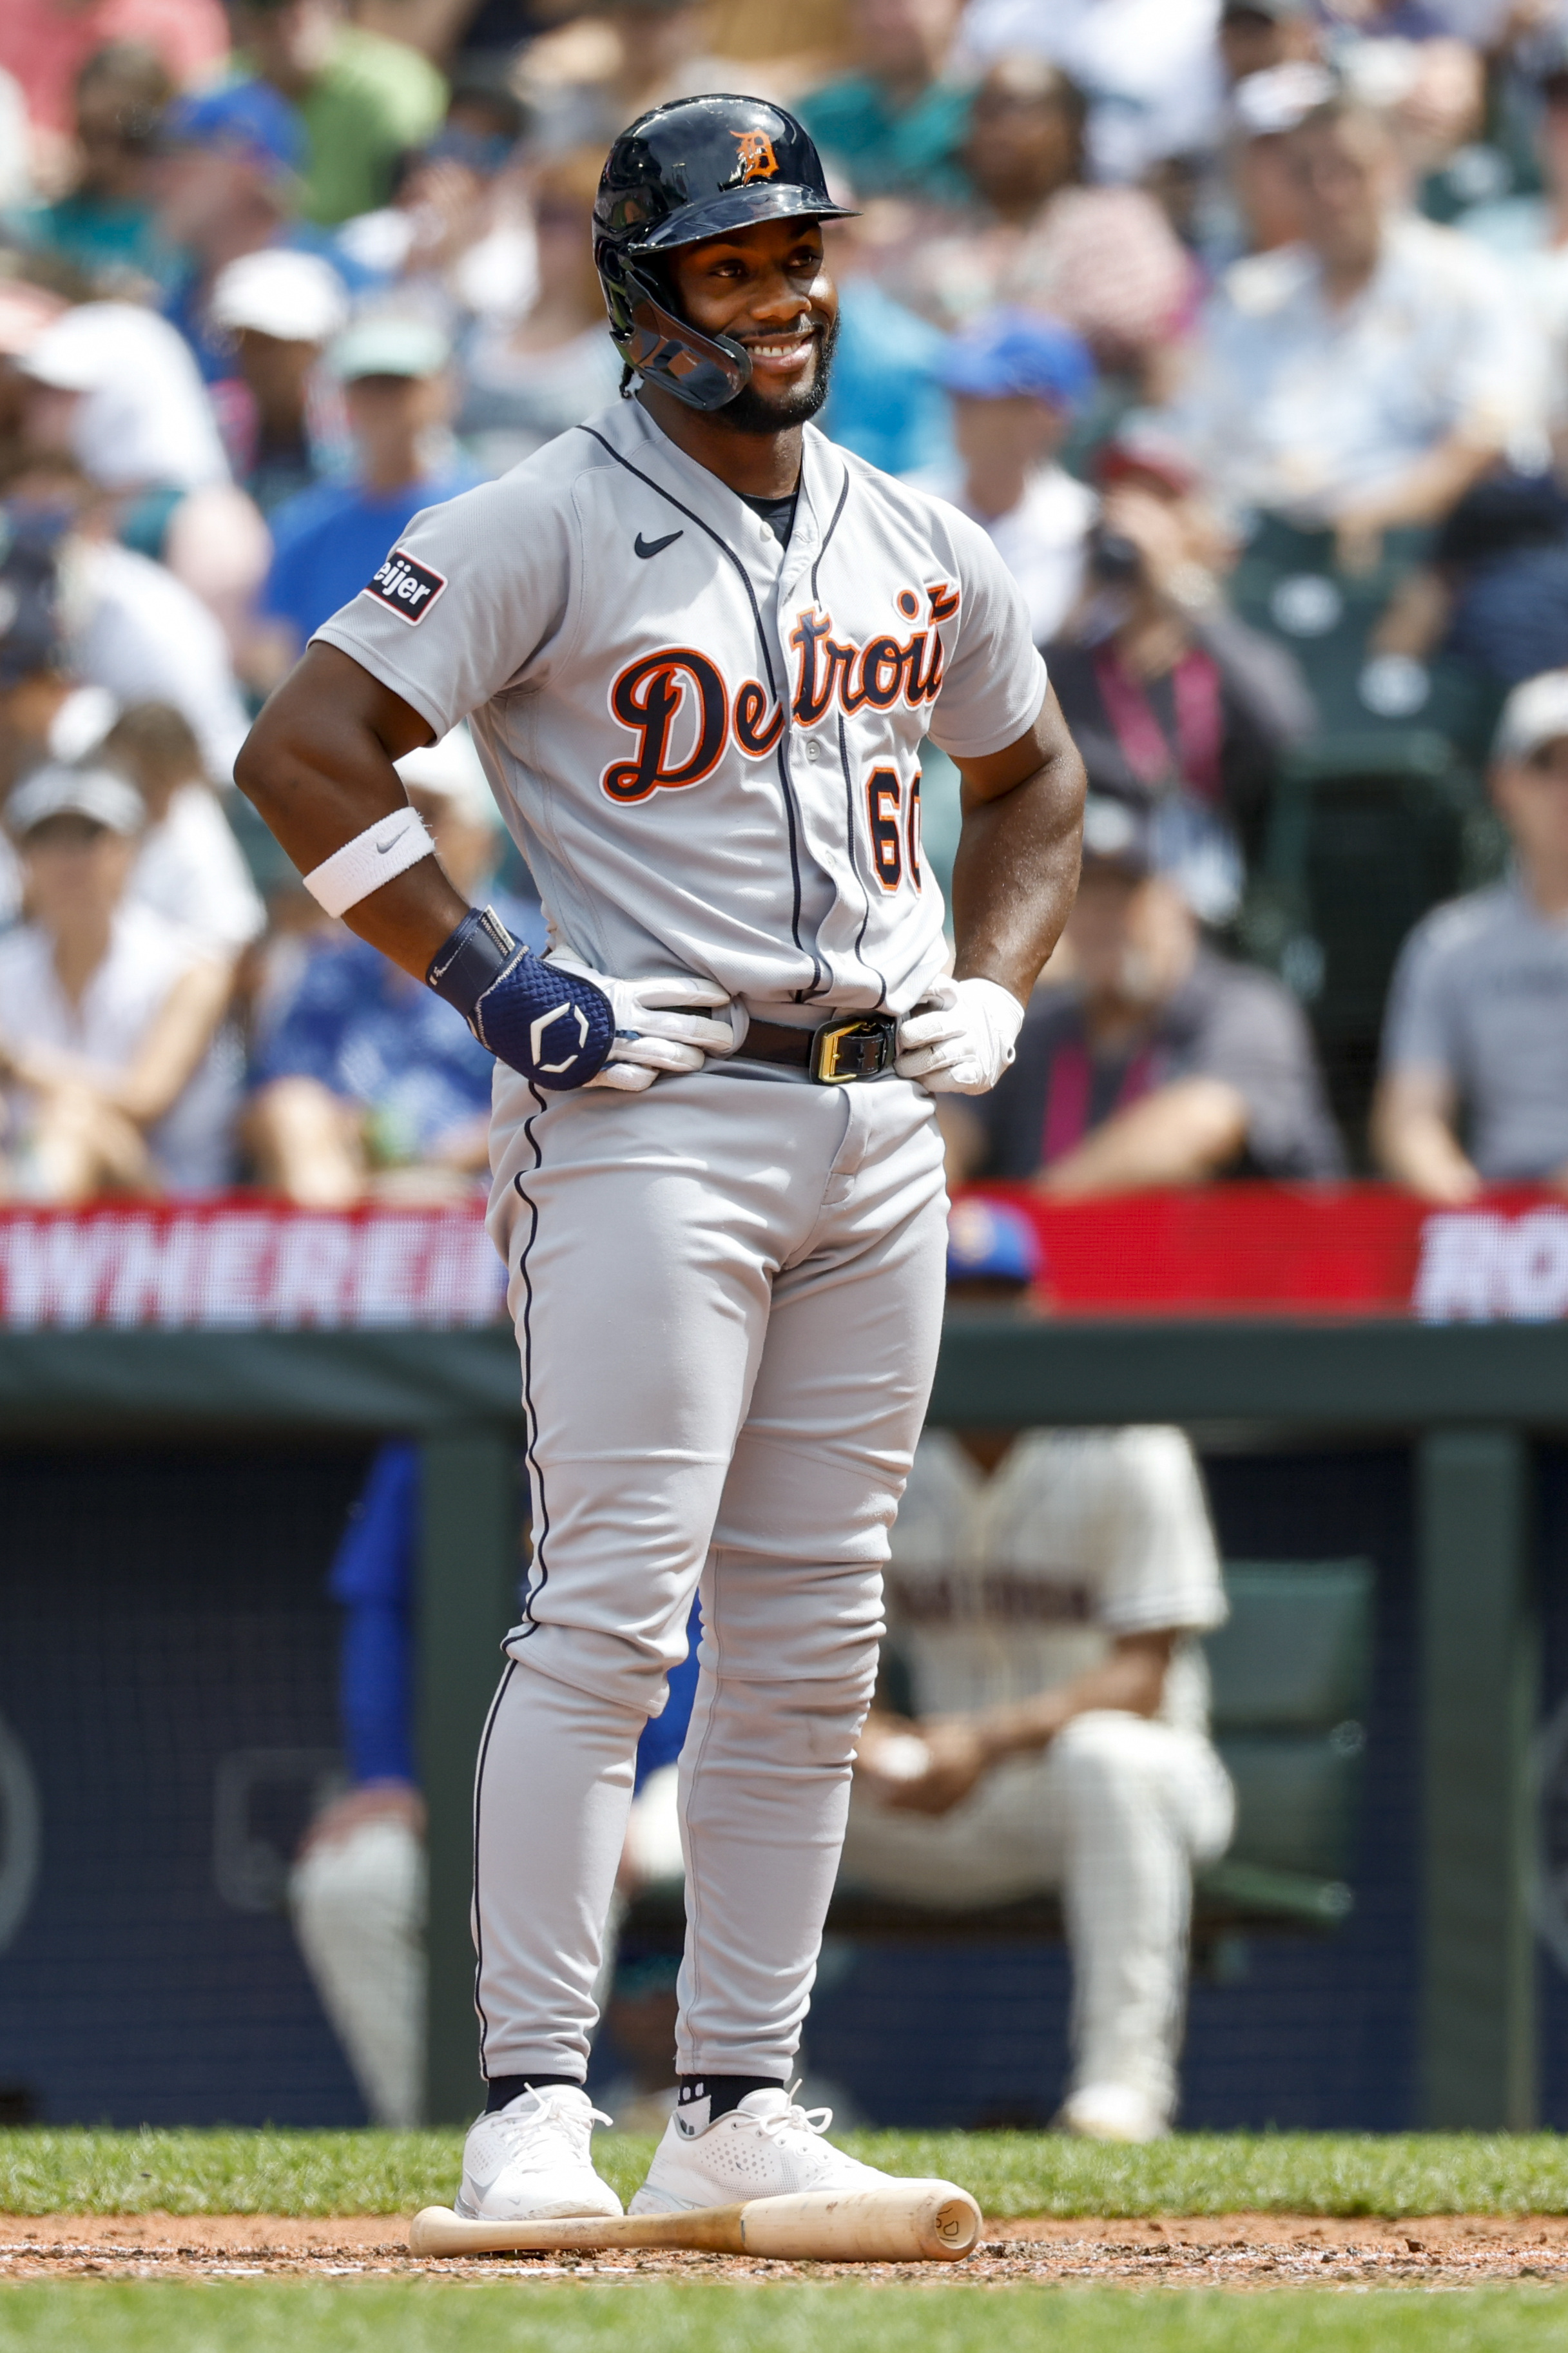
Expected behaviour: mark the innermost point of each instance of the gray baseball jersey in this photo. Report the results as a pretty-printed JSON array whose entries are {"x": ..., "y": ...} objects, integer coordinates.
[{"x": 706, "y": 745}]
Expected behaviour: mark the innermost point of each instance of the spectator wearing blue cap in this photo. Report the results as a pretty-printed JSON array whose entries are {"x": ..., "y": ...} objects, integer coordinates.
[
  {"x": 231, "y": 185},
  {"x": 1044, "y": 1594},
  {"x": 1015, "y": 380}
]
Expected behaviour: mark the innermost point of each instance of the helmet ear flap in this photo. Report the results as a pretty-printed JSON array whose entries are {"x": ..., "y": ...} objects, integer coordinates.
[{"x": 704, "y": 371}]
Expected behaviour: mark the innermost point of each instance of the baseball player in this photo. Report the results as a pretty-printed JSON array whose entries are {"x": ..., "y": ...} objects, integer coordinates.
[
  {"x": 700, "y": 649},
  {"x": 1044, "y": 1590}
]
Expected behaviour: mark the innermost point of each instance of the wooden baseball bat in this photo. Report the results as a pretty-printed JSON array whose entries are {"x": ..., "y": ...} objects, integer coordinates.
[{"x": 906, "y": 2222}]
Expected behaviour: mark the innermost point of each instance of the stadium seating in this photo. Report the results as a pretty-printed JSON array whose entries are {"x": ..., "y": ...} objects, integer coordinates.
[{"x": 1366, "y": 832}]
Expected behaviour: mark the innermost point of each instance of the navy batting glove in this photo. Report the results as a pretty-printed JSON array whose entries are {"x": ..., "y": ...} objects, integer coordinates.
[{"x": 553, "y": 1026}]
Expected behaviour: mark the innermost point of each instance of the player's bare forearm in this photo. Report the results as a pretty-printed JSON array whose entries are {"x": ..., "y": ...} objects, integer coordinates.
[
  {"x": 1130, "y": 1680},
  {"x": 1016, "y": 873},
  {"x": 317, "y": 765},
  {"x": 964, "y": 1749}
]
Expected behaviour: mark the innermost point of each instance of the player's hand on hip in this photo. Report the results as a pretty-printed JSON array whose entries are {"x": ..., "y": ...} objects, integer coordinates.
[
  {"x": 659, "y": 1024},
  {"x": 961, "y": 1036}
]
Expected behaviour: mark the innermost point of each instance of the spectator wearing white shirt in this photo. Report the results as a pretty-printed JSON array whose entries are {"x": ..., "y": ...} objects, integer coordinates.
[
  {"x": 129, "y": 625},
  {"x": 189, "y": 867},
  {"x": 109, "y": 1014},
  {"x": 1016, "y": 379},
  {"x": 117, "y": 386},
  {"x": 1043, "y": 1595},
  {"x": 1365, "y": 378}
]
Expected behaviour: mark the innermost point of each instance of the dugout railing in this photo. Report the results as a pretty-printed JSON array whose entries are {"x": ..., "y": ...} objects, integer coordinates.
[{"x": 1470, "y": 1399}]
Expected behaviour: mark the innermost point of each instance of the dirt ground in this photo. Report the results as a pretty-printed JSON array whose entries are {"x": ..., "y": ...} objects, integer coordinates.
[{"x": 1236, "y": 2251}]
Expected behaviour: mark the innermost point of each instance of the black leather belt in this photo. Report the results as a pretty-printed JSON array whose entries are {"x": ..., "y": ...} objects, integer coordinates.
[{"x": 862, "y": 1047}]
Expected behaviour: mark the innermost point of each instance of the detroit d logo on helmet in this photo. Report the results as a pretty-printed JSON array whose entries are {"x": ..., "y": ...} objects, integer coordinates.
[{"x": 754, "y": 158}]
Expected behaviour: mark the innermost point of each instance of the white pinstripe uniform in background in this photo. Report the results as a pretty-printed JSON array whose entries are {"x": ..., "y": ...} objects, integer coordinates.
[{"x": 1007, "y": 1585}]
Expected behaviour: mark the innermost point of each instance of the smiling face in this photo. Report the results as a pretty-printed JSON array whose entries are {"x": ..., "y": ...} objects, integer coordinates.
[{"x": 767, "y": 288}]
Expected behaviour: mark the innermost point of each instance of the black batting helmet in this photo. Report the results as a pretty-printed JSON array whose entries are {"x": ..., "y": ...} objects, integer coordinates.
[{"x": 679, "y": 174}]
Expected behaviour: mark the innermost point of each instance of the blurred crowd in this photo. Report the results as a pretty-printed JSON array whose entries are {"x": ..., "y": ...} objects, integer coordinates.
[{"x": 1241, "y": 325}]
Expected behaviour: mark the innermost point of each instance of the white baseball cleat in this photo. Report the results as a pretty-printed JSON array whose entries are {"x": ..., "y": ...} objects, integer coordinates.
[
  {"x": 529, "y": 2162},
  {"x": 1111, "y": 2112},
  {"x": 767, "y": 2147}
]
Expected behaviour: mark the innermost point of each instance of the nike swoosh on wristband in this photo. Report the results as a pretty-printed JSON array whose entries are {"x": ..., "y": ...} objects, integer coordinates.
[
  {"x": 645, "y": 547},
  {"x": 383, "y": 847}
]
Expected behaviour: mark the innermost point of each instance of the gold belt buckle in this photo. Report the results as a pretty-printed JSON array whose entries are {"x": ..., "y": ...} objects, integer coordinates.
[{"x": 842, "y": 1052}]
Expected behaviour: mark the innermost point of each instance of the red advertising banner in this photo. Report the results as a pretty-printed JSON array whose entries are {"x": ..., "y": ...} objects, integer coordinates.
[
  {"x": 245, "y": 1264},
  {"x": 1233, "y": 1250},
  {"x": 1271, "y": 1250}
]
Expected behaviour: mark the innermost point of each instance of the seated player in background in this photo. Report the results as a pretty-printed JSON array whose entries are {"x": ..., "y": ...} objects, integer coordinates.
[
  {"x": 115, "y": 1076},
  {"x": 1159, "y": 1063},
  {"x": 1474, "y": 1089},
  {"x": 1043, "y": 1595},
  {"x": 368, "y": 1081},
  {"x": 358, "y": 1889}
]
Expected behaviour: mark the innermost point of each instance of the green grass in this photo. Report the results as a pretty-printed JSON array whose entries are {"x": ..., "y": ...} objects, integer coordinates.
[
  {"x": 246, "y": 2317},
  {"x": 46, "y": 2171}
]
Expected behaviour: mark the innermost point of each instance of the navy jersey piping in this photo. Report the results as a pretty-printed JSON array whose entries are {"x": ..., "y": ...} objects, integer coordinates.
[
  {"x": 507, "y": 1673},
  {"x": 850, "y": 821},
  {"x": 819, "y": 974},
  {"x": 827, "y": 534},
  {"x": 530, "y": 1412}
]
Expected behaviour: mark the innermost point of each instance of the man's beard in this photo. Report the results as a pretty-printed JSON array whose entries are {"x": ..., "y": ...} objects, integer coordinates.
[{"x": 752, "y": 412}]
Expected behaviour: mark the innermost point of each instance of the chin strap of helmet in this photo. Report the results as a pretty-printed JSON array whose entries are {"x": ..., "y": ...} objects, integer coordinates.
[{"x": 704, "y": 371}]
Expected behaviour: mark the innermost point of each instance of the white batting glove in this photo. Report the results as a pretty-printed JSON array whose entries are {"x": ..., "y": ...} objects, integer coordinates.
[
  {"x": 657, "y": 1026},
  {"x": 960, "y": 1038}
]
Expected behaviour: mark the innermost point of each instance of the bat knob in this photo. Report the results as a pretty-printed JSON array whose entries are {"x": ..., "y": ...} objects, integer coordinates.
[{"x": 956, "y": 2224}]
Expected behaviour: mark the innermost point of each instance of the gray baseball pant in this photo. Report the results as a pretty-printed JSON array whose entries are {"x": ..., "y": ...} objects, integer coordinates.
[{"x": 728, "y": 1296}]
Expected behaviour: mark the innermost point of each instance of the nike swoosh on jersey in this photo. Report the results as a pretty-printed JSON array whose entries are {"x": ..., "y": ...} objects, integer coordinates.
[{"x": 656, "y": 546}]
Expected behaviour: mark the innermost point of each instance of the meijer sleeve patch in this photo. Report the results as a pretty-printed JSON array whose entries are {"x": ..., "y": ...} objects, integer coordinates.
[{"x": 410, "y": 588}]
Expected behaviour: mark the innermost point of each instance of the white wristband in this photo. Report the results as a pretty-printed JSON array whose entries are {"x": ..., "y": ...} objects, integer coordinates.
[{"x": 380, "y": 854}]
